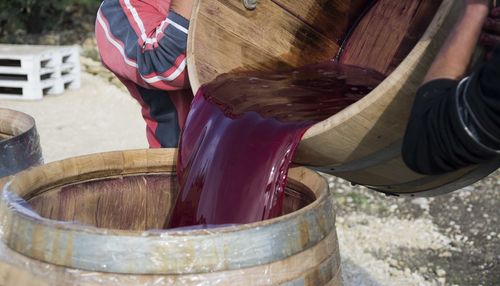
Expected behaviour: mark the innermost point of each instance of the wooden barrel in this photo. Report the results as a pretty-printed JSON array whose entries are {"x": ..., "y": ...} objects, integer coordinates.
[
  {"x": 363, "y": 142},
  {"x": 19, "y": 142},
  {"x": 104, "y": 213}
]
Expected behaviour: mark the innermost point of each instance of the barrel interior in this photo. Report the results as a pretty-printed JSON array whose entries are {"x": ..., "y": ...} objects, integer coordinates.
[
  {"x": 387, "y": 32},
  {"x": 137, "y": 203},
  {"x": 376, "y": 34},
  {"x": 8, "y": 132},
  {"x": 4, "y": 136},
  {"x": 13, "y": 123}
]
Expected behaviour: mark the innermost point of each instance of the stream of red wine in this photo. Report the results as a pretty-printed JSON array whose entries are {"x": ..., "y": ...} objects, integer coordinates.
[{"x": 241, "y": 135}]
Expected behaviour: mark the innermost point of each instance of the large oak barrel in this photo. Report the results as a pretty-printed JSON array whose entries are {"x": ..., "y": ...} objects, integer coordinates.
[
  {"x": 397, "y": 38},
  {"x": 19, "y": 142},
  {"x": 102, "y": 215}
]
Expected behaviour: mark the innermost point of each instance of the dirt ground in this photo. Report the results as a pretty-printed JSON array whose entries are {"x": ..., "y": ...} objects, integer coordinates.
[
  {"x": 452, "y": 239},
  {"x": 448, "y": 240},
  {"x": 98, "y": 117}
]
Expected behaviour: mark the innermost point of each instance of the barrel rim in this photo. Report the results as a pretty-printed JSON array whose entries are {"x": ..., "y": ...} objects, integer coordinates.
[
  {"x": 25, "y": 175},
  {"x": 21, "y": 149},
  {"x": 105, "y": 248},
  {"x": 24, "y": 126}
]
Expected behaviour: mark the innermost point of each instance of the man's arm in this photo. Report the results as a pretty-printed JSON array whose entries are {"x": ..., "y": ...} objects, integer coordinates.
[
  {"x": 145, "y": 44},
  {"x": 491, "y": 34},
  {"x": 455, "y": 125},
  {"x": 454, "y": 57}
]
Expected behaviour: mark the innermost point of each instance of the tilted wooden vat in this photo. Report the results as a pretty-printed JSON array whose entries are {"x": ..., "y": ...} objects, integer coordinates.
[
  {"x": 363, "y": 142},
  {"x": 101, "y": 214}
]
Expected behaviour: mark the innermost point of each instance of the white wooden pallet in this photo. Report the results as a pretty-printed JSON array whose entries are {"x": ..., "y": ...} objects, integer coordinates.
[{"x": 30, "y": 72}]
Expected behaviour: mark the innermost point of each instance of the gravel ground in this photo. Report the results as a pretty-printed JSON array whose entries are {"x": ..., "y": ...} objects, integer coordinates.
[
  {"x": 448, "y": 240},
  {"x": 452, "y": 239}
]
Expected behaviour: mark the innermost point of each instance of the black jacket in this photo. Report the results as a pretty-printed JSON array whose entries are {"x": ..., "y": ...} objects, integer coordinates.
[{"x": 455, "y": 124}]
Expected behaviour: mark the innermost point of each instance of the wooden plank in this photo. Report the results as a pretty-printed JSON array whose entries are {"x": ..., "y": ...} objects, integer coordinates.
[
  {"x": 387, "y": 33},
  {"x": 419, "y": 23},
  {"x": 224, "y": 37},
  {"x": 330, "y": 18},
  {"x": 133, "y": 203},
  {"x": 40, "y": 70}
]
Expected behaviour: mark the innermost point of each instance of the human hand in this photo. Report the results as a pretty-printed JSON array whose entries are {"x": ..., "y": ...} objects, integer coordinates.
[
  {"x": 490, "y": 37},
  {"x": 487, "y": 3},
  {"x": 455, "y": 55},
  {"x": 478, "y": 8}
]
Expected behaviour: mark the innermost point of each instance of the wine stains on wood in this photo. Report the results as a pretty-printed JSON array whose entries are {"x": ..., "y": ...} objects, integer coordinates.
[
  {"x": 330, "y": 18},
  {"x": 131, "y": 203},
  {"x": 387, "y": 33},
  {"x": 135, "y": 203},
  {"x": 276, "y": 36}
]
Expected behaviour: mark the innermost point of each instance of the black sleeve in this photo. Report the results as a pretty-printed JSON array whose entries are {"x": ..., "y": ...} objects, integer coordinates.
[{"x": 455, "y": 125}]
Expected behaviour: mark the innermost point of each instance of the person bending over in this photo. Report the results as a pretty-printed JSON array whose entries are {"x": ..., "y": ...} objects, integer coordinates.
[
  {"x": 455, "y": 120},
  {"x": 144, "y": 44}
]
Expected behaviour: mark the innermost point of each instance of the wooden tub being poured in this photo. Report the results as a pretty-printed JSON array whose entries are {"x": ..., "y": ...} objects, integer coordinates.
[
  {"x": 104, "y": 213},
  {"x": 397, "y": 38}
]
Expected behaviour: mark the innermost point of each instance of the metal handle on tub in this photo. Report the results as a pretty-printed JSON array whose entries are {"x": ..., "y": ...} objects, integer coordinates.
[{"x": 250, "y": 4}]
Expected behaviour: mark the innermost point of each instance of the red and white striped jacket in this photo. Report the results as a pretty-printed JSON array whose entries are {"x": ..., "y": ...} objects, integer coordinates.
[{"x": 144, "y": 44}]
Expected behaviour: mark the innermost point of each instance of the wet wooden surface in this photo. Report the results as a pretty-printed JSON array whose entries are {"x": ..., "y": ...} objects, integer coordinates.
[
  {"x": 279, "y": 34},
  {"x": 129, "y": 203},
  {"x": 388, "y": 32},
  {"x": 133, "y": 203},
  {"x": 332, "y": 19}
]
